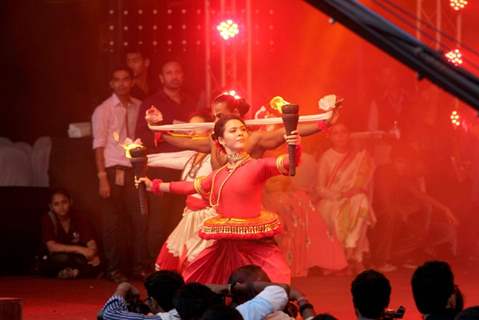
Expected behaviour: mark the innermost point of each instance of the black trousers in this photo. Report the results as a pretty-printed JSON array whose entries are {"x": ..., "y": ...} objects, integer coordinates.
[
  {"x": 123, "y": 223},
  {"x": 55, "y": 262}
]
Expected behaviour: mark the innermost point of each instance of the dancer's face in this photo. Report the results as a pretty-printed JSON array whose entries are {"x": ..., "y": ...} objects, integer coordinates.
[
  {"x": 221, "y": 109},
  {"x": 60, "y": 205},
  {"x": 235, "y": 136}
]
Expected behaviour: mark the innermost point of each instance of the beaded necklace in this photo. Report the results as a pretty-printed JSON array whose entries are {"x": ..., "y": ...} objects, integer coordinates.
[{"x": 196, "y": 163}]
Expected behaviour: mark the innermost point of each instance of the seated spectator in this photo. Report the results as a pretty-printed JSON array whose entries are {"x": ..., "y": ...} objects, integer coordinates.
[
  {"x": 471, "y": 313},
  {"x": 435, "y": 294},
  {"x": 411, "y": 223},
  {"x": 250, "y": 281},
  {"x": 161, "y": 287},
  {"x": 191, "y": 300},
  {"x": 69, "y": 240},
  {"x": 246, "y": 274},
  {"x": 194, "y": 299},
  {"x": 343, "y": 181},
  {"x": 371, "y": 291}
]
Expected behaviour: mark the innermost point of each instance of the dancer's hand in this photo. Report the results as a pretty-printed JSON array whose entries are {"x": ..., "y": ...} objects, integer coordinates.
[
  {"x": 293, "y": 139},
  {"x": 146, "y": 180},
  {"x": 332, "y": 103},
  {"x": 153, "y": 115}
]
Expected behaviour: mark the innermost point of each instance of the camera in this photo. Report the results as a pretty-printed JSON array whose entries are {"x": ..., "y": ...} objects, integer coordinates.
[
  {"x": 394, "y": 314},
  {"x": 137, "y": 305}
]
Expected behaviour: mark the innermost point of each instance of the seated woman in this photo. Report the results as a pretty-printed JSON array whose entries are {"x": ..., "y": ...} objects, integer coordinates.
[
  {"x": 71, "y": 247},
  {"x": 242, "y": 230},
  {"x": 344, "y": 176}
]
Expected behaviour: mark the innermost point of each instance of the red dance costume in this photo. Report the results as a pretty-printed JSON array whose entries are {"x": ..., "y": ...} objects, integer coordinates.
[{"x": 244, "y": 231}]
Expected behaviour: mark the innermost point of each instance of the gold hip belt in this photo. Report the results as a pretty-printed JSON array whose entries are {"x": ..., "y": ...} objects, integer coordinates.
[{"x": 266, "y": 225}]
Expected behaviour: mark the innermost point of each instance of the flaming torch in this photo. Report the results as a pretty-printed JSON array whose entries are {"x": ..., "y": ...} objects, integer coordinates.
[
  {"x": 290, "y": 120},
  {"x": 136, "y": 152}
]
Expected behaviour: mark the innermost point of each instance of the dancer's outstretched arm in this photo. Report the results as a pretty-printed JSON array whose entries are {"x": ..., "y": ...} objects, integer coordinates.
[{"x": 188, "y": 143}]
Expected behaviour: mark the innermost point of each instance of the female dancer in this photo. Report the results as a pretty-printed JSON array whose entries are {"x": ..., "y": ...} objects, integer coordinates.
[
  {"x": 244, "y": 232},
  {"x": 184, "y": 243}
]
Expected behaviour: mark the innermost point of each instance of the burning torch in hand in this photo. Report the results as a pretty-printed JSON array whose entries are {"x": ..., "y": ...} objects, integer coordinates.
[
  {"x": 136, "y": 152},
  {"x": 290, "y": 119}
]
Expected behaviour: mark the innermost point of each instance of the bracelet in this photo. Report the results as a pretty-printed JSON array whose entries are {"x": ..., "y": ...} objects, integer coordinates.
[
  {"x": 157, "y": 138},
  {"x": 323, "y": 125},
  {"x": 197, "y": 185},
  {"x": 155, "y": 186},
  {"x": 101, "y": 174},
  {"x": 280, "y": 165}
]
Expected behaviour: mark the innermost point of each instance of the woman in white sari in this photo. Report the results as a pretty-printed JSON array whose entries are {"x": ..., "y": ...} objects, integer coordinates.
[{"x": 344, "y": 175}]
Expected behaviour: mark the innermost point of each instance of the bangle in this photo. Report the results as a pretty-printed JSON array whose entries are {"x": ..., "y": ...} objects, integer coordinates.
[
  {"x": 157, "y": 138},
  {"x": 323, "y": 125},
  {"x": 280, "y": 165},
  {"x": 101, "y": 174},
  {"x": 155, "y": 186},
  {"x": 197, "y": 185}
]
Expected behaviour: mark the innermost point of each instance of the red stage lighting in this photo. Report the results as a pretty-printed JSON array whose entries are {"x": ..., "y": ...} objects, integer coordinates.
[
  {"x": 455, "y": 119},
  {"x": 458, "y": 4},
  {"x": 454, "y": 56},
  {"x": 228, "y": 29}
]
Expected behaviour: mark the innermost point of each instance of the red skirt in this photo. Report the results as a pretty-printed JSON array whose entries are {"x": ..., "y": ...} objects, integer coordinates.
[
  {"x": 166, "y": 260},
  {"x": 216, "y": 263}
]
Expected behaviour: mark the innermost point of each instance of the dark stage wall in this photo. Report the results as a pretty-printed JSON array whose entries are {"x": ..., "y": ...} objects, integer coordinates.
[{"x": 55, "y": 56}]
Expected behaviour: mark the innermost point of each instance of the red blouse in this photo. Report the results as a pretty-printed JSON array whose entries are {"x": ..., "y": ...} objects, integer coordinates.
[{"x": 240, "y": 196}]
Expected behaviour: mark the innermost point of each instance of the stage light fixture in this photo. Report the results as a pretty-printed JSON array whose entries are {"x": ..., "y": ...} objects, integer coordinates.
[
  {"x": 233, "y": 93},
  {"x": 454, "y": 57},
  {"x": 228, "y": 29},
  {"x": 455, "y": 119},
  {"x": 458, "y": 4}
]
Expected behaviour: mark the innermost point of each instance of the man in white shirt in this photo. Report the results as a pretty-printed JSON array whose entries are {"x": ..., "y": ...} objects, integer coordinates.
[{"x": 112, "y": 121}]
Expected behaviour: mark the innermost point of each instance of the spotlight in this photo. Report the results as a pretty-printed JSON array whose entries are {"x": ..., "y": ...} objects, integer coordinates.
[
  {"x": 458, "y": 4},
  {"x": 233, "y": 93},
  {"x": 454, "y": 57},
  {"x": 228, "y": 29},
  {"x": 455, "y": 119}
]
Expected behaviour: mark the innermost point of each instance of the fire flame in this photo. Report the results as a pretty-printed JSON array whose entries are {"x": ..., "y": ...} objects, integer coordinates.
[{"x": 128, "y": 144}]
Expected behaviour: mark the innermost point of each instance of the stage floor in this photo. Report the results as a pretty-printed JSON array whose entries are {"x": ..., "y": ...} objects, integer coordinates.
[{"x": 52, "y": 299}]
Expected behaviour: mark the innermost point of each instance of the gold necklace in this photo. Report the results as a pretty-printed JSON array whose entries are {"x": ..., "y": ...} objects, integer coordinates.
[
  {"x": 238, "y": 164},
  {"x": 234, "y": 158}
]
